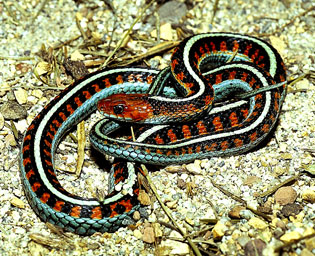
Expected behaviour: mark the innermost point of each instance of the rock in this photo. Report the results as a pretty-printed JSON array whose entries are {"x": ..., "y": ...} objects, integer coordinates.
[
  {"x": 165, "y": 32},
  {"x": 144, "y": 198},
  {"x": 310, "y": 243},
  {"x": 148, "y": 235},
  {"x": 309, "y": 195},
  {"x": 285, "y": 195},
  {"x": 290, "y": 236},
  {"x": 17, "y": 202},
  {"x": 235, "y": 211},
  {"x": 136, "y": 216},
  {"x": 218, "y": 230},
  {"x": 172, "y": 11},
  {"x": 21, "y": 95},
  {"x": 254, "y": 248},
  {"x": 306, "y": 252},
  {"x": 171, "y": 247},
  {"x": 257, "y": 223},
  {"x": 137, "y": 234},
  {"x": 291, "y": 209},
  {"x": 11, "y": 110}
]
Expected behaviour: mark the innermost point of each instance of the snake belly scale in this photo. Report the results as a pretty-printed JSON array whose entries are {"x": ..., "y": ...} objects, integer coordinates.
[{"x": 226, "y": 129}]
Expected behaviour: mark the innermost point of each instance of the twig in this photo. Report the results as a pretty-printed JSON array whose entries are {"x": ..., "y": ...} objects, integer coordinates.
[
  {"x": 273, "y": 189},
  {"x": 44, "y": 2},
  {"x": 127, "y": 34},
  {"x": 215, "y": 8}
]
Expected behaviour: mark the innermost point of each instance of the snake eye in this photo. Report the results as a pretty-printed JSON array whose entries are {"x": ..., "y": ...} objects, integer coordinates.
[{"x": 119, "y": 109}]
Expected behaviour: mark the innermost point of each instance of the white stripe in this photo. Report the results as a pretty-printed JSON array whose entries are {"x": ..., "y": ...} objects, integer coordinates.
[{"x": 44, "y": 123}]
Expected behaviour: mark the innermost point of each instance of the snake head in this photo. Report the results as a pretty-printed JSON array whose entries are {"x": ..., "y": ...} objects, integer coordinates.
[{"x": 126, "y": 107}]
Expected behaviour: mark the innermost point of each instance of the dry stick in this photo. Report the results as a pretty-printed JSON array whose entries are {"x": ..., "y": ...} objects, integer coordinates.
[
  {"x": 166, "y": 210},
  {"x": 290, "y": 22},
  {"x": 127, "y": 33},
  {"x": 215, "y": 8},
  {"x": 287, "y": 244},
  {"x": 272, "y": 190},
  {"x": 39, "y": 10}
]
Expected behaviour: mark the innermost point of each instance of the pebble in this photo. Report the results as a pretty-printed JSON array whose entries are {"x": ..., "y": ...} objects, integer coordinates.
[
  {"x": 20, "y": 95},
  {"x": 257, "y": 223},
  {"x": 235, "y": 211},
  {"x": 148, "y": 235},
  {"x": 137, "y": 233},
  {"x": 285, "y": 195},
  {"x": 1, "y": 121},
  {"x": 218, "y": 230},
  {"x": 166, "y": 32},
  {"x": 254, "y": 248},
  {"x": 309, "y": 195},
  {"x": 291, "y": 209},
  {"x": 11, "y": 110},
  {"x": 310, "y": 243},
  {"x": 290, "y": 236},
  {"x": 17, "y": 202}
]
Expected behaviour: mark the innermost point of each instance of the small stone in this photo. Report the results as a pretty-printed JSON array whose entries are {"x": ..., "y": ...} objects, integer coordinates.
[
  {"x": 17, "y": 202},
  {"x": 235, "y": 212},
  {"x": 290, "y": 236},
  {"x": 76, "y": 55},
  {"x": 193, "y": 167},
  {"x": 171, "y": 204},
  {"x": 254, "y": 248},
  {"x": 310, "y": 169},
  {"x": 10, "y": 140},
  {"x": 181, "y": 184},
  {"x": 171, "y": 247},
  {"x": 42, "y": 68},
  {"x": 37, "y": 93},
  {"x": 172, "y": 11},
  {"x": 137, "y": 234},
  {"x": 250, "y": 180},
  {"x": 309, "y": 195},
  {"x": 218, "y": 230},
  {"x": 306, "y": 252},
  {"x": 286, "y": 156},
  {"x": 257, "y": 223},
  {"x": 157, "y": 229},
  {"x": 148, "y": 235},
  {"x": 304, "y": 84},
  {"x": 11, "y": 110},
  {"x": 278, "y": 43},
  {"x": 310, "y": 243},
  {"x": 144, "y": 198},
  {"x": 165, "y": 32},
  {"x": 20, "y": 95},
  {"x": 1, "y": 121},
  {"x": 291, "y": 209},
  {"x": 285, "y": 195},
  {"x": 136, "y": 216}
]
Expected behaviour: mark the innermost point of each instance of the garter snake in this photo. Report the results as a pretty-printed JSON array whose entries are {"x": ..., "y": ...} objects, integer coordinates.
[{"x": 185, "y": 124}]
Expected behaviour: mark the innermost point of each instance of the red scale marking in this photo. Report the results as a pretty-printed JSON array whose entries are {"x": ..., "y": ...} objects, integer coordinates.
[
  {"x": 47, "y": 153},
  {"x": 212, "y": 147},
  {"x": 87, "y": 94},
  {"x": 232, "y": 75},
  {"x": 139, "y": 78},
  {"x": 190, "y": 150},
  {"x": 217, "y": 124},
  {"x": 213, "y": 47},
  {"x": 223, "y": 46},
  {"x": 159, "y": 140},
  {"x": 70, "y": 109},
  {"x": 63, "y": 116},
  {"x": 218, "y": 78},
  {"x": 127, "y": 204},
  {"x": 77, "y": 101},
  {"x": 201, "y": 128},
  {"x": 27, "y": 137},
  {"x": 35, "y": 186},
  {"x": 198, "y": 149},
  {"x": 172, "y": 135},
  {"x": 52, "y": 173},
  {"x": 244, "y": 112},
  {"x": 207, "y": 48},
  {"x": 248, "y": 47},
  {"x": 238, "y": 142},
  {"x": 96, "y": 88},
  {"x": 75, "y": 211},
  {"x": 233, "y": 118},
  {"x": 244, "y": 76},
  {"x": 26, "y": 161},
  {"x": 235, "y": 46},
  {"x": 131, "y": 78},
  {"x": 97, "y": 213},
  {"x": 29, "y": 174},
  {"x": 56, "y": 123},
  {"x": 252, "y": 82},
  {"x": 197, "y": 57},
  {"x": 48, "y": 144},
  {"x": 186, "y": 131},
  {"x": 158, "y": 151},
  {"x": 265, "y": 128},
  {"x": 253, "y": 136},
  {"x": 255, "y": 55},
  {"x": 45, "y": 197},
  {"x": 149, "y": 79},
  {"x": 25, "y": 148},
  {"x": 107, "y": 82},
  {"x": 52, "y": 128},
  {"x": 119, "y": 79},
  {"x": 48, "y": 163},
  {"x": 224, "y": 145},
  {"x": 180, "y": 76},
  {"x": 58, "y": 206}
]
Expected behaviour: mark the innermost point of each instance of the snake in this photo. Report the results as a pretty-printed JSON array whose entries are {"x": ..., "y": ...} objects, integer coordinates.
[{"x": 184, "y": 112}]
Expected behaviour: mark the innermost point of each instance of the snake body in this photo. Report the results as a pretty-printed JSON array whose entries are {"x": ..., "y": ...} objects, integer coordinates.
[{"x": 186, "y": 125}]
